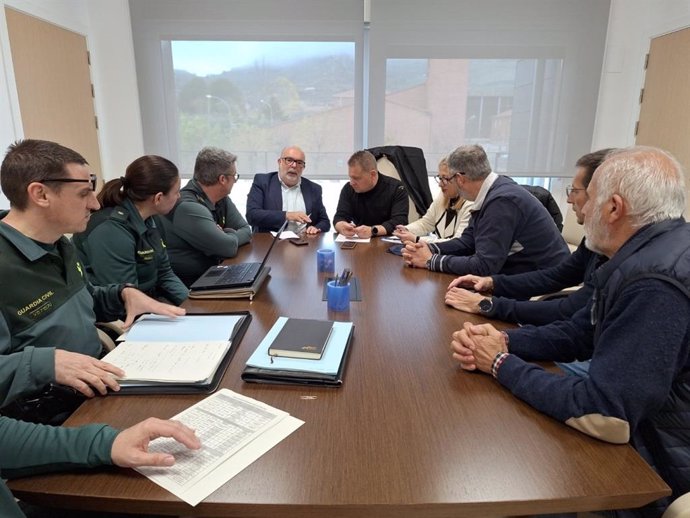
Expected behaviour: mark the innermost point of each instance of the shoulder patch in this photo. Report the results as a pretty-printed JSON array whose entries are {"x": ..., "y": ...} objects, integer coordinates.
[{"x": 119, "y": 214}]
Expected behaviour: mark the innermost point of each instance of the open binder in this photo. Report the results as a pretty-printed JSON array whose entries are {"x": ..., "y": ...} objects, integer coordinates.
[
  {"x": 328, "y": 371},
  {"x": 178, "y": 354}
]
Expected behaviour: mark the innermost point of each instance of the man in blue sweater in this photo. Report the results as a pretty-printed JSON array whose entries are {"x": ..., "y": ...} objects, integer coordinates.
[
  {"x": 510, "y": 231},
  {"x": 636, "y": 332},
  {"x": 509, "y": 291}
]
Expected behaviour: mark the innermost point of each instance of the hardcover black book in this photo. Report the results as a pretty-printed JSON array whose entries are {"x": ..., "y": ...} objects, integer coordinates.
[{"x": 302, "y": 338}]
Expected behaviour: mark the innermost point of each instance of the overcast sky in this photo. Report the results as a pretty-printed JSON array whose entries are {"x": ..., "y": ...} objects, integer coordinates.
[{"x": 213, "y": 57}]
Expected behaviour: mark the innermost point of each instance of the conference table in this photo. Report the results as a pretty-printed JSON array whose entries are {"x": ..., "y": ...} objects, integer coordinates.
[{"x": 408, "y": 434}]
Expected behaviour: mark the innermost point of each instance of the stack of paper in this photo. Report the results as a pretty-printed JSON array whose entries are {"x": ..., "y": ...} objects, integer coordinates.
[
  {"x": 340, "y": 238},
  {"x": 234, "y": 431}
]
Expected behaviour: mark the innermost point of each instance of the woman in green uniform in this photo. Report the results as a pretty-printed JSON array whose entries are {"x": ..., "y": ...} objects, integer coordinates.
[{"x": 122, "y": 242}]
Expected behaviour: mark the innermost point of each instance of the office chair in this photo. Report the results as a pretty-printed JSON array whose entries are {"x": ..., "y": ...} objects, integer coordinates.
[
  {"x": 547, "y": 200},
  {"x": 572, "y": 232},
  {"x": 108, "y": 333},
  {"x": 386, "y": 167},
  {"x": 679, "y": 508}
]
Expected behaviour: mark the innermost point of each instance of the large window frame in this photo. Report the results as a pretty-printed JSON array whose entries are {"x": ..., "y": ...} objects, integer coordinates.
[{"x": 383, "y": 29}]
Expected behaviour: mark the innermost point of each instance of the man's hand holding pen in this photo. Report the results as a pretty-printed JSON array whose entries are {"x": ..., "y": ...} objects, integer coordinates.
[
  {"x": 304, "y": 227},
  {"x": 345, "y": 228}
]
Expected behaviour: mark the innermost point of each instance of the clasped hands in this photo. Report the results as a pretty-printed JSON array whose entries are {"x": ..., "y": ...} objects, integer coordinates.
[
  {"x": 85, "y": 373},
  {"x": 476, "y": 346}
]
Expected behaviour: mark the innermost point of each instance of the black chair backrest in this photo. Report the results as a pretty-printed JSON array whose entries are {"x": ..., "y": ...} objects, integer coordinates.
[
  {"x": 547, "y": 200},
  {"x": 411, "y": 166}
]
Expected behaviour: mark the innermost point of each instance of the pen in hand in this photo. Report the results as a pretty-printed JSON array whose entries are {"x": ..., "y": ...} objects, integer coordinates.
[{"x": 303, "y": 226}]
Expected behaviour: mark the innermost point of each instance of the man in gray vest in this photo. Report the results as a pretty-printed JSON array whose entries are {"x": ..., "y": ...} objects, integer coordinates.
[{"x": 636, "y": 332}]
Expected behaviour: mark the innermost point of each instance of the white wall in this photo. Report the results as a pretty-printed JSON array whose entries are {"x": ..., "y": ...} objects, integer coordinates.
[
  {"x": 107, "y": 27},
  {"x": 106, "y": 23},
  {"x": 632, "y": 24}
]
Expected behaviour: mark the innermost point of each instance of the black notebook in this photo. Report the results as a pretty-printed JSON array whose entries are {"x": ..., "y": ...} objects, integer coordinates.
[{"x": 301, "y": 338}]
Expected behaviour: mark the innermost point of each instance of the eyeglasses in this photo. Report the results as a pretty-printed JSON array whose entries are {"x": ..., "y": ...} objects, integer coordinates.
[
  {"x": 234, "y": 176},
  {"x": 290, "y": 161},
  {"x": 92, "y": 180},
  {"x": 570, "y": 189},
  {"x": 445, "y": 180}
]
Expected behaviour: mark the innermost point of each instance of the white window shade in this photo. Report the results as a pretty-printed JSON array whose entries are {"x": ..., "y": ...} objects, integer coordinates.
[
  {"x": 535, "y": 114},
  {"x": 525, "y": 77}
]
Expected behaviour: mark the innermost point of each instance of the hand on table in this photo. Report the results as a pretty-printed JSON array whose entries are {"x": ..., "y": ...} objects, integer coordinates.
[{"x": 84, "y": 373}]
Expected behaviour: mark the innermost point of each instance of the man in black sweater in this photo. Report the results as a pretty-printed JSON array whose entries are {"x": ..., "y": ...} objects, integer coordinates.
[{"x": 372, "y": 204}]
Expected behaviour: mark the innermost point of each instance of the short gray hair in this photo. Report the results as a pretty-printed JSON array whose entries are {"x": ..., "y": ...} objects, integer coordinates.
[
  {"x": 470, "y": 160},
  {"x": 211, "y": 162},
  {"x": 649, "y": 179}
]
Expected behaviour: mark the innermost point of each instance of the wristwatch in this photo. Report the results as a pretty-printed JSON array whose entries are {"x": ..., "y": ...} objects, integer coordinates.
[
  {"x": 374, "y": 231},
  {"x": 486, "y": 305}
]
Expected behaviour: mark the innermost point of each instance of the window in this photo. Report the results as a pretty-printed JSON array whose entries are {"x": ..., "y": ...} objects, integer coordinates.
[
  {"x": 254, "y": 97},
  {"x": 338, "y": 75}
]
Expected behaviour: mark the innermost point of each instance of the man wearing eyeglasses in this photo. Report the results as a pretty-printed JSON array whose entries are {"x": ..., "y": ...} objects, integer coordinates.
[
  {"x": 286, "y": 195},
  {"x": 636, "y": 330},
  {"x": 508, "y": 292},
  {"x": 48, "y": 308},
  {"x": 205, "y": 227},
  {"x": 510, "y": 231}
]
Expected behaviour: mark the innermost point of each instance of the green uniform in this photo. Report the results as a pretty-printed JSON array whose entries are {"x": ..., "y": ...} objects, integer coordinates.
[
  {"x": 46, "y": 303},
  {"x": 28, "y": 449},
  {"x": 191, "y": 232},
  {"x": 119, "y": 246}
]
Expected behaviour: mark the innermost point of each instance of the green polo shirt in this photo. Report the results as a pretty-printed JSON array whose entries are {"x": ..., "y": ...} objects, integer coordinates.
[
  {"x": 119, "y": 246},
  {"x": 27, "y": 449},
  {"x": 46, "y": 303},
  {"x": 192, "y": 234}
]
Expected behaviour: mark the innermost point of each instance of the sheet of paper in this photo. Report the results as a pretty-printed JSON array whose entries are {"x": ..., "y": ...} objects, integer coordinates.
[
  {"x": 286, "y": 234},
  {"x": 234, "y": 431},
  {"x": 181, "y": 362},
  {"x": 188, "y": 328},
  {"x": 341, "y": 239},
  {"x": 328, "y": 364},
  {"x": 391, "y": 239}
]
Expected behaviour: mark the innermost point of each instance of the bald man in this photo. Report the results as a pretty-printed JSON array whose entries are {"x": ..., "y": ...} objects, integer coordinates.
[{"x": 286, "y": 195}]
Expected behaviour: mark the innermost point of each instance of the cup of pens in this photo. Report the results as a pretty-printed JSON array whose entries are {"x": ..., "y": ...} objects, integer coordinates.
[{"x": 338, "y": 292}]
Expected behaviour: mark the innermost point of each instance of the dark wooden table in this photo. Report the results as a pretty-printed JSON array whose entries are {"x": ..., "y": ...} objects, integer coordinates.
[{"x": 408, "y": 434}]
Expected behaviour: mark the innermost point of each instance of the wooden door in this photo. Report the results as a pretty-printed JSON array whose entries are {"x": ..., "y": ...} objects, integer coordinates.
[
  {"x": 665, "y": 101},
  {"x": 51, "y": 68}
]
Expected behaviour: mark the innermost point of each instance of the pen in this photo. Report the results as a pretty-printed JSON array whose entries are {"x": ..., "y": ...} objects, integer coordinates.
[{"x": 303, "y": 225}]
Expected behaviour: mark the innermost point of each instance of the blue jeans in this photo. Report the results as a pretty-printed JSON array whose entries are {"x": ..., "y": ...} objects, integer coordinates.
[{"x": 575, "y": 368}]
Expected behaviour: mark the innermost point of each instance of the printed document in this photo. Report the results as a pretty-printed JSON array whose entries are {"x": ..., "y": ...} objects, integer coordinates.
[
  {"x": 286, "y": 234},
  {"x": 234, "y": 431}
]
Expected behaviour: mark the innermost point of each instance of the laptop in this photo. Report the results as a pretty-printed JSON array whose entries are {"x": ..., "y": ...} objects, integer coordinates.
[{"x": 234, "y": 275}]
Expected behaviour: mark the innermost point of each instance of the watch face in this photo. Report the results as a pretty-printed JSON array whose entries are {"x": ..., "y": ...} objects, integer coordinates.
[
  {"x": 485, "y": 305},
  {"x": 374, "y": 231}
]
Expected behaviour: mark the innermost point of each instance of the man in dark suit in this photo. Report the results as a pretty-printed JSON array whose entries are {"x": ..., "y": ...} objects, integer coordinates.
[{"x": 285, "y": 195}]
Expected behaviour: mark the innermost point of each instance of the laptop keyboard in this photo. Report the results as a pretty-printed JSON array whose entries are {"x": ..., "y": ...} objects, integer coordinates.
[{"x": 238, "y": 273}]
